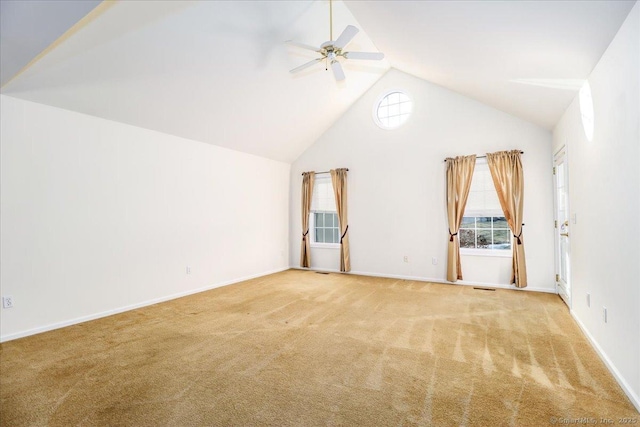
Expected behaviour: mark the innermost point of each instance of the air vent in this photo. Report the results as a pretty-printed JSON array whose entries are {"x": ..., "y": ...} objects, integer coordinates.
[
  {"x": 321, "y": 272},
  {"x": 484, "y": 289}
]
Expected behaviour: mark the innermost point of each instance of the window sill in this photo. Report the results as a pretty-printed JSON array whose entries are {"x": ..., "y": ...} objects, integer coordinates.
[
  {"x": 325, "y": 245},
  {"x": 487, "y": 252}
]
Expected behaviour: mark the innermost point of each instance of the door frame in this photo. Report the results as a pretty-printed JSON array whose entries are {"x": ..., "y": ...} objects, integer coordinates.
[{"x": 565, "y": 293}]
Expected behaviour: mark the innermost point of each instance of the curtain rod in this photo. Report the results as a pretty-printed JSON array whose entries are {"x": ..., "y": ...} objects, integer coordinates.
[
  {"x": 480, "y": 157},
  {"x": 319, "y": 173}
]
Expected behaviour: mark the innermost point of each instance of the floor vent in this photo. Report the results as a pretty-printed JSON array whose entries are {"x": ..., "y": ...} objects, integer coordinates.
[
  {"x": 484, "y": 289},
  {"x": 321, "y": 272}
]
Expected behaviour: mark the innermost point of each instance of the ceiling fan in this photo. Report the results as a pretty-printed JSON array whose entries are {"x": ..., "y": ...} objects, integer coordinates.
[{"x": 331, "y": 50}]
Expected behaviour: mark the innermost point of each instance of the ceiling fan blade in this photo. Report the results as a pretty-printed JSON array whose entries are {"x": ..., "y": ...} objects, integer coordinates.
[
  {"x": 346, "y": 37},
  {"x": 337, "y": 70},
  {"x": 363, "y": 55},
  {"x": 302, "y": 45},
  {"x": 306, "y": 65}
]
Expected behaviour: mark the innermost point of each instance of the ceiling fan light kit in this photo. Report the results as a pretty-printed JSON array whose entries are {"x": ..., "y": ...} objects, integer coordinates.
[{"x": 331, "y": 50}]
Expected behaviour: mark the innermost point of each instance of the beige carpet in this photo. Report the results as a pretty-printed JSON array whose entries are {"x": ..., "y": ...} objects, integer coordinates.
[{"x": 306, "y": 349}]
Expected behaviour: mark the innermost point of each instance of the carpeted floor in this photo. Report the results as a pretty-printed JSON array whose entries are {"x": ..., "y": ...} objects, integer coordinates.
[{"x": 305, "y": 349}]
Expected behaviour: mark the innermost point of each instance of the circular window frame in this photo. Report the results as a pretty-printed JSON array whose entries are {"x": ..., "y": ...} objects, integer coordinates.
[
  {"x": 376, "y": 105},
  {"x": 587, "y": 113}
]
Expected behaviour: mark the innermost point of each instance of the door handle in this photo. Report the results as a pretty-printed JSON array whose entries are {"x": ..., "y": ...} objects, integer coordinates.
[{"x": 564, "y": 234}]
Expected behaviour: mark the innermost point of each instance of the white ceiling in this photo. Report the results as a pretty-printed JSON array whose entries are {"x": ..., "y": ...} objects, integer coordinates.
[
  {"x": 217, "y": 71},
  {"x": 527, "y": 58}
]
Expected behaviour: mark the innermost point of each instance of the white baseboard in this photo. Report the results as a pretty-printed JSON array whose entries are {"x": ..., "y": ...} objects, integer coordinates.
[
  {"x": 427, "y": 279},
  {"x": 608, "y": 363},
  {"x": 106, "y": 313}
]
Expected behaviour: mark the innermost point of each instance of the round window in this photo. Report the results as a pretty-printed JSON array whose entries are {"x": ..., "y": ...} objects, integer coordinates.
[
  {"x": 392, "y": 109},
  {"x": 586, "y": 110}
]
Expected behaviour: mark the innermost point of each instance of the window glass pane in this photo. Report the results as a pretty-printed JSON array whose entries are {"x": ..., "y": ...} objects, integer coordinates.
[
  {"x": 336, "y": 236},
  {"x": 393, "y": 110},
  {"x": 483, "y": 222},
  {"x": 467, "y": 238},
  {"x": 468, "y": 222},
  {"x": 319, "y": 235},
  {"x": 330, "y": 220},
  {"x": 319, "y": 219},
  {"x": 500, "y": 222},
  {"x": 501, "y": 239},
  {"x": 484, "y": 239}
]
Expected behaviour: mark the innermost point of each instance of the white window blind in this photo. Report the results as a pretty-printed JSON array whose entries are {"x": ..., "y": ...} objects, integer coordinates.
[
  {"x": 483, "y": 198},
  {"x": 323, "y": 199}
]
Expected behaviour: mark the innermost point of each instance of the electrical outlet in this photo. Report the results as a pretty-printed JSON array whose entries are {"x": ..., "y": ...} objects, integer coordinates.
[
  {"x": 406, "y": 258},
  {"x": 588, "y": 300},
  {"x": 604, "y": 314},
  {"x": 188, "y": 270},
  {"x": 434, "y": 261},
  {"x": 7, "y": 302}
]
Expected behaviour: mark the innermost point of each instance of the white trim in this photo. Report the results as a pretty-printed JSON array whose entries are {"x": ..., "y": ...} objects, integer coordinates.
[
  {"x": 82, "y": 319},
  {"x": 608, "y": 363},
  {"x": 325, "y": 245},
  {"x": 503, "y": 253},
  {"x": 426, "y": 279}
]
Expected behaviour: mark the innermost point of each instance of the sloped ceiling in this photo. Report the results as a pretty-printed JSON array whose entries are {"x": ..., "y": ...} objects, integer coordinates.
[
  {"x": 527, "y": 58},
  {"x": 211, "y": 71},
  {"x": 217, "y": 71}
]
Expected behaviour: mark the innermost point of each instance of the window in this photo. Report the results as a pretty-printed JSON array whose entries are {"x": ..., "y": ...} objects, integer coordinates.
[
  {"x": 484, "y": 228},
  {"x": 325, "y": 231},
  {"x": 392, "y": 110},
  {"x": 586, "y": 110},
  {"x": 325, "y": 227}
]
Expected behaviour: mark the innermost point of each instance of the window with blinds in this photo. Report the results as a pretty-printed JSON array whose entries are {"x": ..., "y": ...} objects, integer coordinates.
[
  {"x": 484, "y": 225},
  {"x": 324, "y": 216}
]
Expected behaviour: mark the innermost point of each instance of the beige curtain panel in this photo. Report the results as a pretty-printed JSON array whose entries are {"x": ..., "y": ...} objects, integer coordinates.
[
  {"x": 506, "y": 171},
  {"x": 459, "y": 174},
  {"x": 307, "y": 192},
  {"x": 339, "y": 181}
]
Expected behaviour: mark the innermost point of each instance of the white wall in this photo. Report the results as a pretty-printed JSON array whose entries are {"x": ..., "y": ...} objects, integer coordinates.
[
  {"x": 98, "y": 216},
  {"x": 604, "y": 185},
  {"x": 397, "y": 185}
]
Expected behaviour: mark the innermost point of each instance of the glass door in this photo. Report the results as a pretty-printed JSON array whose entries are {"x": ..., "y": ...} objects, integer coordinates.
[{"x": 562, "y": 221}]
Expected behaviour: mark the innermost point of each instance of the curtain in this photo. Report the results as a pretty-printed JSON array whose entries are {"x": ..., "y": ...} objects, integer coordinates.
[
  {"x": 459, "y": 174},
  {"x": 506, "y": 171},
  {"x": 307, "y": 193},
  {"x": 339, "y": 181}
]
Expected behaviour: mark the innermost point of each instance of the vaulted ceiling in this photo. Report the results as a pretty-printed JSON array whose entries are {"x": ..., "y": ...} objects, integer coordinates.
[{"x": 217, "y": 71}]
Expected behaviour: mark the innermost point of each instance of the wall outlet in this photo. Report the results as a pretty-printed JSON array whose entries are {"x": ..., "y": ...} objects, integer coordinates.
[
  {"x": 588, "y": 300},
  {"x": 7, "y": 302},
  {"x": 188, "y": 269},
  {"x": 406, "y": 258},
  {"x": 604, "y": 314},
  {"x": 434, "y": 261}
]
